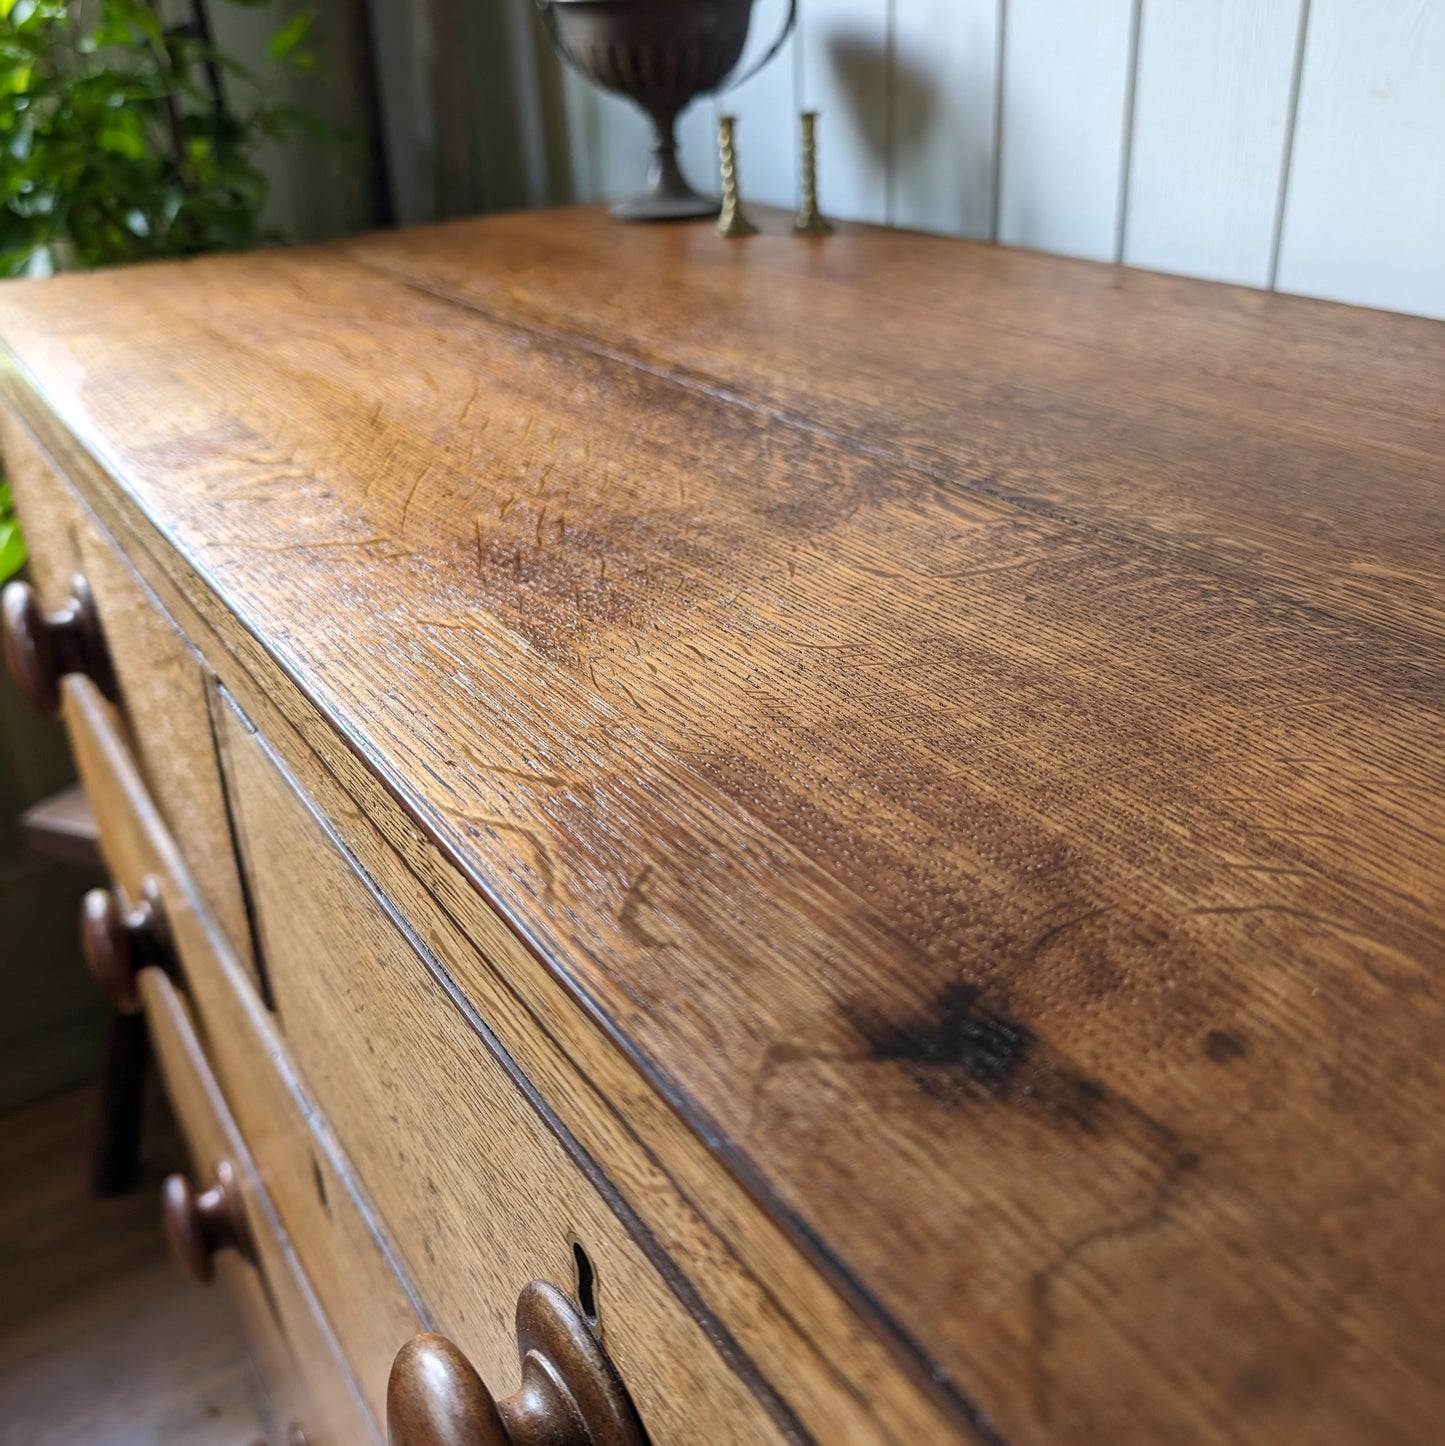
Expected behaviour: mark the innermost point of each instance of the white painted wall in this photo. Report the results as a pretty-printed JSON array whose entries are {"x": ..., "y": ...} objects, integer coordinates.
[
  {"x": 1364, "y": 213},
  {"x": 1290, "y": 143},
  {"x": 1213, "y": 106}
]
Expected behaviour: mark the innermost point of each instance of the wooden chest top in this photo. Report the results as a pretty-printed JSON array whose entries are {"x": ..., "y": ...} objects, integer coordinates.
[{"x": 967, "y": 724}]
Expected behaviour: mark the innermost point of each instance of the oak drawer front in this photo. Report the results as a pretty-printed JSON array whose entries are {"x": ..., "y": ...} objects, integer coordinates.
[
  {"x": 163, "y": 694},
  {"x": 479, "y": 1190},
  {"x": 49, "y": 510},
  {"x": 305, "y": 1174},
  {"x": 161, "y": 683},
  {"x": 329, "y": 1411}
]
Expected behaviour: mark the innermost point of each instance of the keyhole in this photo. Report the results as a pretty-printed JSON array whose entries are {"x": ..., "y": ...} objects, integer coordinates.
[{"x": 585, "y": 1274}]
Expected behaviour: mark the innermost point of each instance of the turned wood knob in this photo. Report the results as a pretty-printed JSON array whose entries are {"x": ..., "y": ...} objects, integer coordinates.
[
  {"x": 571, "y": 1394},
  {"x": 41, "y": 647},
  {"x": 119, "y": 942},
  {"x": 197, "y": 1226}
]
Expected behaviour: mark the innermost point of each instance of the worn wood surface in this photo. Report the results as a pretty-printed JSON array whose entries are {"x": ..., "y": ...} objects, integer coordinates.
[
  {"x": 1243, "y": 430},
  {"x": 817, "y": 1362},
  {"x": 1030, "y": 891}
]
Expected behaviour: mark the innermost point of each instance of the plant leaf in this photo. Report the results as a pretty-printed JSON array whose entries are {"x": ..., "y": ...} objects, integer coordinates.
[
  {"x": 12, "y": 549},
  {"x": 289, "y": 39}
]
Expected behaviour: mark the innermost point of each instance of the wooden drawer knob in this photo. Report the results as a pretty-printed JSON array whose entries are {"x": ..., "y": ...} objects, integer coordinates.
[
  {"x": 197, "y": 1226},
  {"x": 119, "y": 942},
  {"x": 41, "y": 647},
  {"x": 571, "y": 1394}
]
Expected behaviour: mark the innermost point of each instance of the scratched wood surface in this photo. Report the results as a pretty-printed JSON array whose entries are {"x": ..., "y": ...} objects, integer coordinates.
[
  {"x": 1128, "y": 401},
  {"x": 968, "y": 724}
]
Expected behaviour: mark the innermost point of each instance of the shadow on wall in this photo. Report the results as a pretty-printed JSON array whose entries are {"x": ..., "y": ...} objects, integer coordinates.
[
  {"x": 890, "y": 133},
  {"x": 927, "y": 155}
]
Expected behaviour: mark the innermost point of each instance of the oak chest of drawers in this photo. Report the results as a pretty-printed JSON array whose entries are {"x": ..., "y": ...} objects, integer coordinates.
[{"x": 842, "y": 840}]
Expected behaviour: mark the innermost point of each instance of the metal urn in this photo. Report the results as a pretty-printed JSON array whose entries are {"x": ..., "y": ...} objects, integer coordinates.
[{"x": 662, "y": 54}]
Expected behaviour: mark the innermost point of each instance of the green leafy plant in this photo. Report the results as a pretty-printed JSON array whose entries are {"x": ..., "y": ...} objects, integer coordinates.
[
  {"x": 12, "y": 544},
  {"x": 118, "y": 141}
]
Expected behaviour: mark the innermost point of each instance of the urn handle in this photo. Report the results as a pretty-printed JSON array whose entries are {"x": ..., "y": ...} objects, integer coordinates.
[
  {"x": 42, "y": 647},
  {"x": 571, "y": 1394},
  {"x": 789, "y": 23},
  {"x": 118, "y": 942},
  {"x": 197, "y": 1226}
]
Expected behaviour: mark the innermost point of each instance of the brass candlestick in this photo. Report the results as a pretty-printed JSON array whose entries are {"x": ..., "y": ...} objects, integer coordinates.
[
  {"x": 811, "y": 221},
  {"x": 732, "y": 221}
]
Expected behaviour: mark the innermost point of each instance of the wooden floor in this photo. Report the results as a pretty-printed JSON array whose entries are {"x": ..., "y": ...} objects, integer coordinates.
[{"x": 103, "y": 1340}]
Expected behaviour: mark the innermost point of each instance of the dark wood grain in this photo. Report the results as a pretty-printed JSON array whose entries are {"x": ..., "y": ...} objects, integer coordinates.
[{"x": 967, "y": 725}]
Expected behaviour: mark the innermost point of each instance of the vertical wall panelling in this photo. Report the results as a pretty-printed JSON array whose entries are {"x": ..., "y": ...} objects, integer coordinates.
[
  {"x": 1131, "y": 90},
  {"x": 845, "y": 54},
  {"x": 766, "y": 108},
  {"x": 1293, "y": 142},
  {"x": 944, "y": 91},
  {"x": 1211, "y": 112},
  {"x": 1292, "y": 111},
  {"x": 1364, "y": 218},
  {"x": 1066, "y": 77}
]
